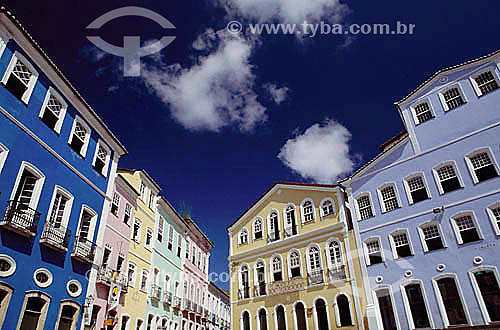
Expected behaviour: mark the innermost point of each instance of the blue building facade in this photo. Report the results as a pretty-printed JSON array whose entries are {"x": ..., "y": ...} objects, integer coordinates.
[
  {"x": 57, "y": 166},
  {"x": 426, "y": 210}
]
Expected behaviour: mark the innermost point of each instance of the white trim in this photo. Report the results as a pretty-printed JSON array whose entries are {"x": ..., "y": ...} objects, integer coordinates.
[
  {"x": 255, "y": 274},
  {"x": 308, "y": 258},
  {"x": 447, "y": 88},
  {"x": 455, "y": 227},
  {"x": 328, "y": 256},
  {"x": 337, "y": 311},
  {"x": 472, "y": 78},
  {"x": 377, "y": 306},
  {"x": 257, "y": 316},
  {"x": 262, "y": 227},
  {"x": 284, "y": 316},
  {"x": 288, "y": 226},
  {"x": 321, "y": 213},
  {"x": 294, "y": 312},
  {"x": 494, "y": 222},
  {"x": 78, "y": 292},
  {"x": 381, "y": 200},
  {"x": 477, "y": 291},
  {"x": 440, "y": 302},
  {"x": 67, "y": 208},
  {"x": 272, "y": 232},
  {"x": 240, "y": 236},
  {"x": 358, "y": 196},
  {"x": 17, "y": 56},
  {"x": 3, "y": 43},
  {"x": 407, "y": 187},
  {"x": 271, "y": 268},
  {"x": 45, "y": 271},
  {"x": 35, "y": 197},
  {"x": 4, "y": 152},
  {"x": 436, "y": 177},
  {"x": 315, "y": 312},
  {"x": 78, "y": 119},
  {"x": 417, "y": 103},
  {"x": 52, "y": 92},
  {"x": 101, "y": 143},
  {"x": 242, "y": 326},
  {"x": 12, "y": 263},
  {"x": 302, "y": 210},
  {"x": 422, "y": 237},
  {"x": 149, "y": 245},
  {"x": 409, "y": 316},
  {"x": 476, "y": 151},
  {"x": 93, "y": 222},
  {"x": 365, "y": 249},
  {"x": 290, "y": 264},
  {"x": 393, "y": 245}
]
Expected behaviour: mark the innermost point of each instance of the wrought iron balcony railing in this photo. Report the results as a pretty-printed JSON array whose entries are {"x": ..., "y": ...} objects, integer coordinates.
[
  {"x": 107, "y": 276},
  {"x": 21, "y": 219},
  {"x": 315, "y": 277},
  {"x": 260, "y": 289},
  {"x": 244, "y": 293},
  {"x": 282, "y": 287},
  {"x": 167, "y": 297},
  {"x": 272, "y": 238},
  {"x": 55, "y": 236},
  {"x": 337, "y": 274},
  {"x": 155, "y": 292},
  {"x": 84, "y": 250},
  {"x": 291, "y": 232}
]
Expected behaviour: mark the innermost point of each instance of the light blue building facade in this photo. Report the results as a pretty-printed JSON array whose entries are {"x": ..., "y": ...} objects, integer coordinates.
[
  {"x": 426, "y": 210},
  {"x": 57, "y": 166}
]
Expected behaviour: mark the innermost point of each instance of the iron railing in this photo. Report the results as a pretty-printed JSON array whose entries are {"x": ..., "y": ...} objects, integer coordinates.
[
  {"x": 167, "y": 297},
  {"x": 56, "y": 236},
  {"x": 315, "y": 277},
  {"x": 84, "y": 250},
  {"x": 244, "y": 293},
  {"x": 289, "y": 232},
  {"x": 21, "y": 219},
  {"x": 155, "y": 292},
  {"x": 272, "y": 238},
  {"x": 260, "y": 289},
  {"x": 337, "y": 273}
]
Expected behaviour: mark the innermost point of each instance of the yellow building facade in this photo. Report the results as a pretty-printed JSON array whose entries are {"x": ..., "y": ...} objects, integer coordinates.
[
  {"x": 293, "y": 262},
  {"x": 141, "y": 245}
]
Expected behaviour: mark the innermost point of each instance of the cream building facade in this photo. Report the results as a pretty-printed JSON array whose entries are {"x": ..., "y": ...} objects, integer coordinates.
[{"x": 293, "y": 262}]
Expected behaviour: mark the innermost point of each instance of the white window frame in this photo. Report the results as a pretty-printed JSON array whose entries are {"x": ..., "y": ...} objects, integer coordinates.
[
  {"x": 150, "y": 245},
  {"x": 414, "y": 112},
  {"x": 308, "y": 260},
  {"x": 79, "y": 120},
  {"x": 321, "y": 213},
  {"x": 473, "y": 77},
  {"x": 130, "y": 215},
  {"x": 302, "y": 214},
  {"x": 161, "y": 229},
  {"x": 436, "y": 176},
  {"x": 100, "y": 143},
  {"x": 139, "y": 231},
  {"x": 271, "y": 268},
  {"x": 144, "y": 272},
  {"x": 381, "y": 200},
  {"x": 93, "y": 222},
  {"x": 492, "y": 217},
  {"x": 240, "y": 282},
  {"x": 52, "y": 92},
  {"x": 3, "y": 45},
  {"x": 240, "y": 241},
  {"x": 400, "y": 231},
  {"x": 328, "y": 257},
  {"x": 269, "y": 223},
  {"x": 471, "y": 167},
  {"x": 337, "y": 311},
  {"x": 4, "y": 152},
  {"x": 116, "y": 197},
  {"x": 358, "y": 212},
  {"x": 407, "y": 186},
  {"x": 287, "y": 226},
  {"x": 477, "y": 291},
  {"x": 455, "y": 227},
  {"x": 377, "y": 306},
  {"x": 406, "y": 303},
  {"x": 365, "y": 249},
  {"x": 422, "y": 237},
  {"x": 67, "y": 209},
  {"x": 261, "y": 227},
  {"x": 440, "y": 302},
  {"x": 33, "y": 79},
  {"x": 38, "y": 185},
  {"x": 289, "y": 263},
  {"x": 447, "y": 88}
]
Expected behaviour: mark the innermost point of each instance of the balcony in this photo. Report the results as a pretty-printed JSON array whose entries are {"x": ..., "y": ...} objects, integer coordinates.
[
  {"x": 167, "y": 298},
  {"x": 84, "y": 250},
  {"x": 244, "y": 293},
  {"x": 188, "y": 305},
  {"x": 55, "y": 236},
  {"x": 177, "y": 302},
  {"x": 260, "y": 289},
  {"x": 155, "y": 292},
  {"x": 291, "y": 232},
  {"x": 282, "y": 287},
  {"x": 337, "y": 274},
  {"x": 107, "y": 276},
  {"x": 272, "y": 238},
  {"x": 20, "y": 219},
  {"x": 315, "y": 277}
]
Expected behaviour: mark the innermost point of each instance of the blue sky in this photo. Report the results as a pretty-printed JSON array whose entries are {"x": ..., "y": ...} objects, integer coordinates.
[{"x": 202, "y": 118}]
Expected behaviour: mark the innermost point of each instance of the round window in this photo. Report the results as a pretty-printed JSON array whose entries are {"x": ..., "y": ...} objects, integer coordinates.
[
  {"x": 74, "y": 288},
  {"x": 7, "y": 265},
  {"x": 42, "y": 277},
  {"x": 379, "y": 279},
  {"x": 408, "y": 273},
  {"x": 441, "y": 267},
  {"x": 478, "y": 260}
]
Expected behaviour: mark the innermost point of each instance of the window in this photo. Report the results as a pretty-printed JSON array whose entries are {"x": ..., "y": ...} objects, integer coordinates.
[
  {"x": 277, "y": 270},
  {"x": 161, "y": 221},
  {"x": 290, "y": 224},
  {"x": 3, "y": 155},
  {"x": 389, "y": 198},
  {"x": 422, "y": 112},
  {"x": 142, "y": 191},
  {"x": 274, "y": 233},
  {"x": 136, "y": 230},
  {"x": 485, "y": 82},
  {"x": 364, "y": 207},
  {"x": 151, "y": 201},
  {"x": 144, "y": 280},
  {"x": 179, "y": 245},
  {"x": 315, "y": 265},
  {"x": 401, "y": 246},
  {"x": 494, "y": 213},
  {"x": 5, "y": 296},
  {"x": 373, "y": 251},
  {"x": 115, "y": 205},
  {"x": 466, "y": 228},
  {"x": 416, "y": 188},
  {"x": 452, "y": 98},
  {"x": 7, "y": 265},
  {"x": 26, "y": 192},
  {"x": 187, "y": 249},
  {"x": 245, "y": 280},
  {"x": 53, "y": 110},
  {"x": 416, "y": 307},
  {"x": 243, "y": 236},
  {"x": 171, "y": 238},
  {"x": 295, "y": 264},
  {"x": 60, "y": 210},
  {"x": 344, "y": 311},
  {"x": 149, "y": 236},
  {"x": 246, "y": 320},
  {"x": 262, "y": 320},
  {"x": 127, "y": 214},
  {"x": 481, "y": 165},
  {"x": 327, "y": 207},
  {"x": 34, "y": 311},
  {"x": 105, "y": 257},
  {"x": 307, "y": 211},
  {"x": 321, "y": 315},
  {"x": 74, "y": 288},
  {"x": 257, "y": 229},
  {"x": 485, "y": 282},
  {"x": 80, "y": 136},
  {"x": 335, "y": 255},
  {"x": 125, "y": 322},
  {"x": 432, "y": 238},
  {"x": 119, "y": 263},
  {"x": 199, "y": 259},
  {"x": 450, "y": 302},
  {"x": 88, "y": 219},
  {"x": 68, "y": 316},
  {"x": 386, "y": 309},
  {"x": 101, "y": 158},
  {"x": 193, "y": 254},
  {"x": 139, "y": 324},
  {"x": 20, "y": 77},
  {"x": 447, "y": 178}
]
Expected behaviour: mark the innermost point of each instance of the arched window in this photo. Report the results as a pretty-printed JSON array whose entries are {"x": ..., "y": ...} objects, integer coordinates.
[
  {"x": 486, "y": 286},
  {"x": 295, "y": 264},
  {"x": 243, "y": 237},
  {"x": 316, "y": 273},
  {"x": 277, "y": 269},
  {"x": 449, "y": 297},
  {"x": 386, "y": 309},
  {"x": 291, "y": 222},
  {"x": 418, "y": 314},
  {"x": 262, "y": 319},
  {"x": 327, "y": 207},
  {"x": 280, "y": 317},
  {"x": 261, "y": 278},
  {"x": 257, "y": 229},
  {"x": 246, "y": 320},
  {"x": 274, "y": 229},
  {"x": 300, "y": 314},
  {"x": 34, "y": 310},
  {"x": 336, "y": 266},
  {"x": 344, "y": 311},
  {"x": 68, "y": 316},
  {"x": 244, "y": 286},
  {"x": 308, "y": 211},
  {"x": 321, "y": 315}
]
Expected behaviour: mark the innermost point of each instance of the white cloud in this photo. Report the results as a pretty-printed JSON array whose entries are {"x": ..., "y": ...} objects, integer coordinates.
[
  {"x": 215, "y": 92},
  {"x": 288, "y": 11},
  {"x": 321, "y": 153},
  {"x": 278, "y": 94}
]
